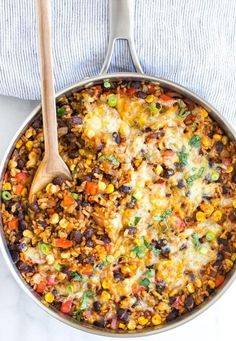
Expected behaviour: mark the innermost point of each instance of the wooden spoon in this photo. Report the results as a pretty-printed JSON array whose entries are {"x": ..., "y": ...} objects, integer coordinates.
[{"x": 52, "y": 164}]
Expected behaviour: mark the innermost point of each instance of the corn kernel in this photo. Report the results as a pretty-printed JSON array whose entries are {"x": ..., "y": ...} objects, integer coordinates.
[
  {"x": 207, "y": 208},
  {"x": 88, "y": 162},
  {"x": 140, "y": 183},
  {"x": 206, "y": 141},
  {"x": 7, "y": 186},
  {"x": 49, "y": 297},
  {"x": 51, "y": 189},
  {"x": 142, "y": 320},
  {"x": 124, "y": 129},
  {"x": 50, "y": 259},
  {"x": 122, "y": 325},
  {"x": 19, "y": 144},
  {"x": 12, "y": 164},
  {"x": 110, "y": 188},
  {"x": 131, "y": 325},
  {"x": 200, "y": 216},
  {"x": 24, "y": 192},
  {"x": 90, "y": 133},
  {"x": 137, "y": 195},
  {"x": 63, "y": 223},
  {"x": 101, "y": 186},
  {"x": 234, "y": 203},
  {"x": 156, "y": 319},
  {"x": 106, "y": 284},
  {"x": 190, "y": 288},
  {"x": 198, "y": 283},
  {"x": 28, "y": 234},
  {"x": 217, "y": 137},
  {"x": 216, "y": 216},
  {"x": 149, "y": 99},
  {"x": 224, "y": 140},
  {"x": 54, "y": 219},
  {"x": 82, "y": 152},
  {"x": 203, "y": 112},
  {"x": 29, "y": 145},
  {"x": 211, "y": 284},
  {"x": 158, "y": 169},
  {"x": 229, "y": 169},
  {"x": 65, "y": 255},
  {"x": 105, "y": 296}
]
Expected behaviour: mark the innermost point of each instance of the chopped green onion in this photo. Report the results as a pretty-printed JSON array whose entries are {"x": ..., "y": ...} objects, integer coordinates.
[
  {"x": 45, "y": 248},
  {"x": 107, "y": 84},
  {"x": 150, "y": 273},
  {"x": 77, "y": 314},
  {"x": 203, "y": 250},
  {"x": 195, "y": 141},
  {"x": 155, "y": 251},
  {"x": 152, "y": 108},
  {"x": 145, "y": 282},
  {"x": 163, "y": 216},
  {"x": 196, "y": 176},
  {"x": 215, "y": 175},
  {"x": 182, "y": 112},
  {"x": 84, "y": 302},
  {"x": 183, "y": 158},
  {"x": 110, "y": 158},
  {"x": 58, "y": 267},
  {"x": 60, "y": 112},
  {"x": 70, "y": 289},
  {"x": 75, "y": 195},
  {"x": 136, "y": 220},
  {"x": 6, "y": 195},
  {"x": 210, "y": 235},
  {"x": 195, "y": 240},
  {"x": 139, "y": 251},
  {"x": 112, "y": 100},
  {"x": 77, "y": 277}
]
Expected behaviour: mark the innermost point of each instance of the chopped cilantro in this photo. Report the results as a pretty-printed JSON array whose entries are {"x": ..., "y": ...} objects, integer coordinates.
[
  {"x": 183, "y": 158},
  {"x": 195, "y": 176},
  {"x": 163, "y": 216},
  {"x": 136, "y": 220},
  {"x": 86, "y": 296},
  {"x": 60, "y": 112},
  {"x": 145, "y": 282},
  {"x": 110, "y": 158},
  {"x": 195, "y": 141},
  {"x": 77, "y": 277},
  {"x": 195, "y": 240}
]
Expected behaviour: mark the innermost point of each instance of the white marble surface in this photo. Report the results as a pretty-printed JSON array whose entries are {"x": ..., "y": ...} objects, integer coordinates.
[{"x": 22, "y": 320}]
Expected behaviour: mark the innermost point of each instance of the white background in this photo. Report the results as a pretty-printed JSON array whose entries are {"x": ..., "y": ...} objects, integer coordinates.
[{"x": 22, "y": 320}]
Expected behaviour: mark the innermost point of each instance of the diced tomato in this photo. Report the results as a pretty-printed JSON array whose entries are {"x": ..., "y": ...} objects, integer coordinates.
[
  {"x": 51, "y": 280},
  {"x": 227, "y": 161},
  {"x": 40, "y": 287},
  {"x": 66, "y": 307},
  {"x": 63, "y": 243},
  {"x": 87, "y": 270},
  {"x": 19, "y": 189},
  {"x": 21, "y": 178},
  {"x": 13, "y": 224},
  {"x": 167, "y": 153},
  {"x": 6, "y": 176},
  {"x": 68, "y": 200},
  {"x": 179, "y": 224},
  {"x": 136, "y": 289},
  {"x": 219, "y": 280},
  {"x": 164, "y": 97},
  {"x": 131, "y": 91},
  {"x": 50, "y": 211},
  {"x": 91, "y": 188}
]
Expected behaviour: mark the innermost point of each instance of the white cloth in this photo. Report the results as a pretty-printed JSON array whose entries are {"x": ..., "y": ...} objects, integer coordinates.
[{"x": 192, "y": 42}]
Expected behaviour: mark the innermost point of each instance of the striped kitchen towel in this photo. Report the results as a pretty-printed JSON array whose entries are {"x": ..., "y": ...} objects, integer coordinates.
[{"x": 190, "y": 42}]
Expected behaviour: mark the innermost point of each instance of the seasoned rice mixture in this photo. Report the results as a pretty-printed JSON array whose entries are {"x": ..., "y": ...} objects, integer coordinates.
[{"x": 146, "y": 230}]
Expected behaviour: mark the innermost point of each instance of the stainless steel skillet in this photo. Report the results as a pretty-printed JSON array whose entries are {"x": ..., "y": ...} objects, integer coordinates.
[{"x": 121, "y": 27}]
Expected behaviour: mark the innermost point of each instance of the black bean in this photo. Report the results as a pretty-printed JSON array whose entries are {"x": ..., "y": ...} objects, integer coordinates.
[
  {"x": 89, "y": 260},
  {"x": 76, "y": 236},
  {"x": 172, "y": 315},
  {"x": 225, "y": 189},
  {"x": 66, "y": 271},
  {"x": 125, "y": 189},
  {"x": 189, "y": 303},
  {"x": 142, "y": 94},
  {"x": 106, "y": 240},
  {"x": 100, "y": 323},
  {"x": 222, "y": 241},
  {"x": 180, "y": 184},
  {"x": 135, "y": 84},
  {"x": 234, "y": 176},
  {"x": 160, "y": 286},
  {"x": 54, "y": 292},
  {"x": 61, "y": 123},
  {"x": 58, "y": 181},
  {"x": 161, "y": 243},
  {"x": 73, "y": 154},
  {"x": 88, "y": 233},
  {"x": 168, "y": 172},
  {"x": 219, "y": 146},
  {"x": 22, "y": 225},
  {"x": 210, "y": 290},
  {"x": 42, "y": 223},
  {"x": 24, "y": 267},
  {"x": 165, "y": 250},
  {"x": 37, "y": 124},
  {"x": 132, "y": 230},
  {"x": 116, "y": 138},
  {"x": 14, "y": 256},
  {"x": 85, "y": 204},
  {"x": 21, "y": 164},
  {"x": 34, "y": 207},
  {"x": 232, "y": 216},
  {"x": 179, "y": 166},
  {"x": 123, "y": 314},
  {"x": 220, "y": 257},
  {"x": 89, "y": 243},
  {"x": 21, "y": 247},
  {"x": 75, "y": 120},
  {"x": 132, "y": 203},
  {"x": 118, "y": 275},
  {"x": 97, "y": 306}
]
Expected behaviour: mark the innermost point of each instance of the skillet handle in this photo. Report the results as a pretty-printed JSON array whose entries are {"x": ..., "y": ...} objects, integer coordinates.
[{"x": 121, "y": 27}]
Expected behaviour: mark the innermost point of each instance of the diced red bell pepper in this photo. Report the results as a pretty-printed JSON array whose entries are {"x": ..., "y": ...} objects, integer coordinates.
[
  {"x": 136, "y": 289},
  {"x": 66, "y": 307},
  {"x": 87, "y": 270},
  {"x": 40, "y": 287},
  {"x": 179, "y": 224},
  {"x": 91, "y": 188},
  {"x": 131, "y": 91},
  {"x": 21, "y": 178},
  {"x": 219, "y": 280},
  {"x": 164, "y": 97},
  {"x": 167, "y": 153},
  {"x": 51, "y": 280},
  {"x": 13, "y": 224},
  {"x": 68, "y": 200},
  {"x": 19, "y": 189},
  {"x": 63, "y": 243}
]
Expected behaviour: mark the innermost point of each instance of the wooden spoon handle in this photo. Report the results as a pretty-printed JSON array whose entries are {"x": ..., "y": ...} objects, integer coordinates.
[{"x": 47, "y": 78}]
